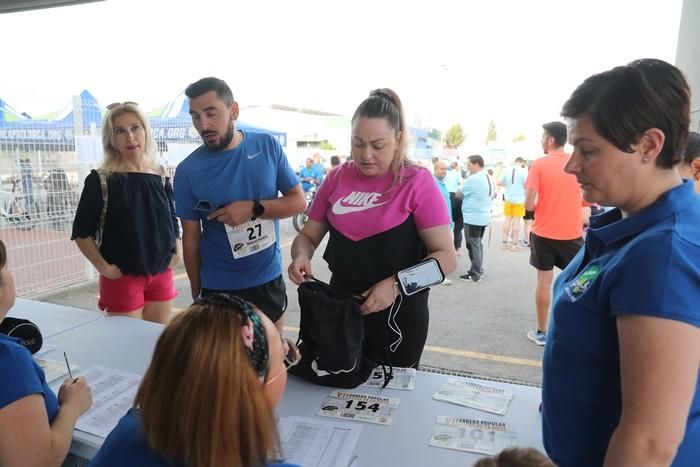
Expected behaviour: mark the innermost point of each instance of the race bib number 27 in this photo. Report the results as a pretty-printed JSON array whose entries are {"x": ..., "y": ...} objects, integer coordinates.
[{"x": 251, "y": 237}]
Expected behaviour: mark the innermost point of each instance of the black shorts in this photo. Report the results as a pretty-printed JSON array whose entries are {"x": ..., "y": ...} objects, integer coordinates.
[
  {"x": 270, "y": 297},
  {"x": 545, "y": 253}
]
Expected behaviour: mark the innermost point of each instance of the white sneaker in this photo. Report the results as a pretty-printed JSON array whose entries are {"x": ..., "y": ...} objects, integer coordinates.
[
  {"x": 446, "y": 282},
  {"x": 537, "y": 337}
]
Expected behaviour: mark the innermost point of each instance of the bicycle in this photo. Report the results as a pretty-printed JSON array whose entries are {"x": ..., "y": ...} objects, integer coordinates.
[
  {"x": 13, "y": 207},
  {"x": 61, "y": 200},
  {"x": 299, "y": 220}
]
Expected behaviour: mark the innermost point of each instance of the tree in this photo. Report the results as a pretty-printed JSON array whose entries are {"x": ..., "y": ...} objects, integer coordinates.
[
  {"x": 326, "y": 146},
  {"x": 455, "y": 136},
  {"x": 519, "y": 138},
  {"x": 491, "y": 134}
]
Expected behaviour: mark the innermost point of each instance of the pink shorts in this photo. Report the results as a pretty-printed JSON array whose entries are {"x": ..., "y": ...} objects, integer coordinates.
[{"x": 130, "y": 293}]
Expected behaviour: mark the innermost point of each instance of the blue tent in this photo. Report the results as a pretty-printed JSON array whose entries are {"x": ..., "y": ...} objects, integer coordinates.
[
  {"x": 54, "y": 131},
  {"x": 172, "y": 124},
  {"x": 8, "y": 114},
  {"x": 90, "y": 109}
]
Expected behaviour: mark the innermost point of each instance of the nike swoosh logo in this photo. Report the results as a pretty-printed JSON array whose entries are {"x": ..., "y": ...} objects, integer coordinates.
[
  {"x": 253, "y": 156},
  {"x": 339, "y": 209}
]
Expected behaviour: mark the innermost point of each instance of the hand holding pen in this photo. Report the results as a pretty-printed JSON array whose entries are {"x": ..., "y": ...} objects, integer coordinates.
[
  {"x": 65, "y": 357},
  {"x": 74, "y": 392}
]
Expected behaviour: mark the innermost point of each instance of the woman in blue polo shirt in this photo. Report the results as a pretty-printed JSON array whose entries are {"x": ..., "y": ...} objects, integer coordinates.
[
  {"x": 621, "y": 361},
  {"x": 34, "y": 430}
]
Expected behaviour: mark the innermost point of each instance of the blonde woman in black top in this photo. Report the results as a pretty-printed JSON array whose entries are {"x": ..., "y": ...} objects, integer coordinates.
[{"x": 138, "y": 232}]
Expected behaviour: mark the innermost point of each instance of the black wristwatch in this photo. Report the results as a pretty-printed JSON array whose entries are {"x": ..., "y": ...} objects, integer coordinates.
[{"x": 258, "y": 209}]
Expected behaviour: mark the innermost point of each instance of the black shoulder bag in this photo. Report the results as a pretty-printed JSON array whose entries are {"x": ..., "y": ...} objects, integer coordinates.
[{"x": 331, "y": 337}]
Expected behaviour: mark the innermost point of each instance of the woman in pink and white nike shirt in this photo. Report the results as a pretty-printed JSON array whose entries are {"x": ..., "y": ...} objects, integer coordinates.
[{"x": 384, "y": 214}]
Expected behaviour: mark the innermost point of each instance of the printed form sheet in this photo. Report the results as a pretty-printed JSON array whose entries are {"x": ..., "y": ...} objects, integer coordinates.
[
  {"x": 113, "y": 393},
  {"x": 317, "y": 443}
]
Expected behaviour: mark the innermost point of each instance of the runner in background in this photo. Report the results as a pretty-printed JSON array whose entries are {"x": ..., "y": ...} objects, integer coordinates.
[
  {"x": 513, "y": 181},
  {"x": 558, "y": 227}
]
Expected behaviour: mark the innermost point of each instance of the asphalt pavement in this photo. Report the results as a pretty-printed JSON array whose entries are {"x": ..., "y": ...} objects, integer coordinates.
[{"x": 475, "y": 328}]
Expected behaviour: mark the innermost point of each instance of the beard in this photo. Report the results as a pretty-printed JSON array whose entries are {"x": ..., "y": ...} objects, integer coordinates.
[{"x": 224, "y": 141}]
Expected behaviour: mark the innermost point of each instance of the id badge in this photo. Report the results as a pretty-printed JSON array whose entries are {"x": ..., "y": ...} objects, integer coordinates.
[{"x": 251, "y": 237}]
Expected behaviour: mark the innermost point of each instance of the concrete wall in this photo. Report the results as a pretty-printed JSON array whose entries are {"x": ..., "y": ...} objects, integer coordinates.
[{"x": 688, "y": 55}]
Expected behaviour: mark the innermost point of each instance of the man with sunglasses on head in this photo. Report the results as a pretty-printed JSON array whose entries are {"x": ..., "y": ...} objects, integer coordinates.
[{"x": 226, "y": 196}]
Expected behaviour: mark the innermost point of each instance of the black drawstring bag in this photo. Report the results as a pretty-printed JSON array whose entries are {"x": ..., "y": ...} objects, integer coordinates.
[
  {"x": 331, "y": 337},
  {"x": 25, "y": 330}
]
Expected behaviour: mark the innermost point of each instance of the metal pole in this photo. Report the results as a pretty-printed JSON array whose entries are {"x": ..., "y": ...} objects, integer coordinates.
[{"x": 77, "y": 117}]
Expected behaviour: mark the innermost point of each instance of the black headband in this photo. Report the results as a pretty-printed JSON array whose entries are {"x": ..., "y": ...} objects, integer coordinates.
[{"x": 252, "y": 329}]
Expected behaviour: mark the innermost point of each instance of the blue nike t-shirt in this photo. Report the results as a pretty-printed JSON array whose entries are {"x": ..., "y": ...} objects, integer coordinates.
[{"x": 257, "y": 169}]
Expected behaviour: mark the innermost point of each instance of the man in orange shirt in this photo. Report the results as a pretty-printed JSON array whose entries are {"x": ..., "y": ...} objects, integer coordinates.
[{"x": 557, "y": 231}]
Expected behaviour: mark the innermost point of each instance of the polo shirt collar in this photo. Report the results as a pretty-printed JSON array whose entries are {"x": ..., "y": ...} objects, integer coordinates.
[{"x": 610, "y": 227}]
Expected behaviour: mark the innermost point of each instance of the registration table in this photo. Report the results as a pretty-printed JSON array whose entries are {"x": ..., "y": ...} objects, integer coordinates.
[
  {"x": 52, "y": 319},
  {"x": 405, "y": 442},
  {"x": 127, "y": 344}
]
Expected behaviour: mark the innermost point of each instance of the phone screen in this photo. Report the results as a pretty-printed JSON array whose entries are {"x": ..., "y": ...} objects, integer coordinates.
[{"x": 420, "y": 276}]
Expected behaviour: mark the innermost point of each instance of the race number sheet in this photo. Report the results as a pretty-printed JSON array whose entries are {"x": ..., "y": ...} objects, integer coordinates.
[
  {"x": 465, "y": 434},
  {"x": 359, "y": 407},
  {"x": 251, "y": 237},
  {"x": 478, "y": 396},
  {"x": 403, "y": 378}
]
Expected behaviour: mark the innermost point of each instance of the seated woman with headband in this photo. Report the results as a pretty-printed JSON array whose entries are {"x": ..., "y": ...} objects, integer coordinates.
[{"x": 207, "y": 398}]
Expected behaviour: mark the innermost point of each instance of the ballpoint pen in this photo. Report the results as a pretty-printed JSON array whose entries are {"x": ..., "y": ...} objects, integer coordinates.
[{"x": 70, "y": 375}]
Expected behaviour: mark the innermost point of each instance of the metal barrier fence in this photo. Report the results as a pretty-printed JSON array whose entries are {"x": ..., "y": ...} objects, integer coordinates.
[
  {"x": 41, "y": 178},
  {"x": 38, "y": 196}
]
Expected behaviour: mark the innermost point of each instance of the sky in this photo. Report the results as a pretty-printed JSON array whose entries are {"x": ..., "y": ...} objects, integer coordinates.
[{"x": 467, "y": 62}]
